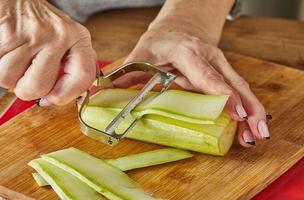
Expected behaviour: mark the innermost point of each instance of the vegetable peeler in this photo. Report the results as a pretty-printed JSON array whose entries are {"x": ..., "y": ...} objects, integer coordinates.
[{"x": 110, "y": 74}]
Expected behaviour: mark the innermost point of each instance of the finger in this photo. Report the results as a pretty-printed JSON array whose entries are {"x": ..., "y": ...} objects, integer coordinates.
[
  {"x": 41, "y": 75},
  {"x": 79, "y": 74},
  {"x": 254, "y": 108},
  {"x": 13, "y": 65},
  {"x": 244, "y": 135},
  {"x": 206, "y": 79}
]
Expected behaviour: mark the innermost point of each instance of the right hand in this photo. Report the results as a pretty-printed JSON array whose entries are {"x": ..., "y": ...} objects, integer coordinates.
[
  {"x": 201, "y": 66},
  {"x": 36, "y": 42}
]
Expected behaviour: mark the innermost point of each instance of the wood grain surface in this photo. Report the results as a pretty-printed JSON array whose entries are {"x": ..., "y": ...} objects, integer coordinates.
[
  {"x": 239, "y": 175},
  {"x": 6, "y": 100},
  {"x": 277, "y": 40}
]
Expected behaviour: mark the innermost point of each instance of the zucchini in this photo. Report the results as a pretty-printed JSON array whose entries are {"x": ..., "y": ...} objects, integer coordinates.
[
  {"x": 215, "y": 139},
  {"x": 176, "y": 104},
  {"x": 136, "y": 161},
  {"x": 64, "y": 184},
  {"x": 98, "y": 174}
]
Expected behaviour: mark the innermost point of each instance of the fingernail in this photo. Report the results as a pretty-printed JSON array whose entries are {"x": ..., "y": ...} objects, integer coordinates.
[
  {"x": 247, "y": 136},
  {"x": 241, "y": 111},
  {"x": 43, "y": 102},
  {"x": 38, "y": 102},
  {"x": 268, "y": 116},
  {"x": 263, "y": 129},
  {"x": 98, "y": 71}
]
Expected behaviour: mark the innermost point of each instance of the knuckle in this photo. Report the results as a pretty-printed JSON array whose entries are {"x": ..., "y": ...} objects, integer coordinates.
[
  {"x": 210, "y": 74},
  {"x": 23, "y": 95},
  {"x": 62, "y": 32},
  {"x": 31, "y": 91},
  {"x": 83, "y": 32},
  {"x": 7, "y": 80},
  {"x": 7, "y": 38},
  {"x": 232, "y": 93},
  {"x": 218, "y": 52},
  {"x": 240, "y": 83},
  {"x": 36, "y": 37},
  {"x": 86, "y": 76},
  {"x": 196, "y": 43},
  {"x": 7, "y": 83},
  {"x": 185, "y": 50},
  {"x": 191, "y": 45}
]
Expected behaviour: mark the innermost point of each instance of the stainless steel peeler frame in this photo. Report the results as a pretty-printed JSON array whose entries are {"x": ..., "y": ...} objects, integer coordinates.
[{"x": 109, "y": 135}]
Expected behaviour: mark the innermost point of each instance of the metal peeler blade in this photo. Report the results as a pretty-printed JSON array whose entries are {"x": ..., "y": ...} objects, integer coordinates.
[{"x": 109, "y": 135}]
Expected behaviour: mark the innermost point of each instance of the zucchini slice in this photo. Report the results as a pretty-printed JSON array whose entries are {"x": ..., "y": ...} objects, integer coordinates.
[
  {"x": 176, "y": 104},
  {"x": 136, "y": 161},
  {"x": 98, "y": 174},
  {"x": 149, "y": 158}
]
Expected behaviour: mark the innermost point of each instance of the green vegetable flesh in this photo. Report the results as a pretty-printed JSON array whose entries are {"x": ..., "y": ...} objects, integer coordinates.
[
  {"x": 40, "y": 180},
  {"x": 139, "y": 160},
  {"x": 180, "y": 105},
  {"x": 67, "y": 186},
  {"x": 149, "y": 158},
  {"x": 213, "y": 139},
  {"x": 99, "y": 175}
]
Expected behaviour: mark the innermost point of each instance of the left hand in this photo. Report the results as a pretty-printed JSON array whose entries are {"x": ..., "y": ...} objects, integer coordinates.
[{"x": 202, "y": 67}]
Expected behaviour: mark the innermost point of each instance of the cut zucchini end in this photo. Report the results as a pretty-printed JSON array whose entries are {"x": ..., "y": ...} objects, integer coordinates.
[
  {"x": 226, "y": 140},
  {"x": 64, "y": 184},
  {"x": 40, "y": 180}
]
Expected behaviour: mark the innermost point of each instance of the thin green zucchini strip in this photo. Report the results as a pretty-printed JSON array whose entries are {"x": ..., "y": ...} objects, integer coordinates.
[
  {"x": 67, "y": 186},
  {"x": 98, "y": 174},
  {"x": 149, "y": 158},
  {"x": 176, "y": 104},
  {"x": 136, "y": 161}
]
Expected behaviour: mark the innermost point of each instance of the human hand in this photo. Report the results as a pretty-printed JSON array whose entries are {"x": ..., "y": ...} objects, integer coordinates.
[
  {"x": 202, "y": 67},
  {"x": 36, "y": 42}
]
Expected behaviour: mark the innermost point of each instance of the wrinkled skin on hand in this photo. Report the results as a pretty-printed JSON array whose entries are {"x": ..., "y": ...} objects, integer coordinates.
[
  {"x": 36, "y": 42},
  {"x": 202, "y": 67}
]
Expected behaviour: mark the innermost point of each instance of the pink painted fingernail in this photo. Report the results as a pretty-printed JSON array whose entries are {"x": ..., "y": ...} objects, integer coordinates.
[
  {"x": 241, "y": 111},
  {"x": 263, "y": 129},
  {"x": 43, "y": 103},
  {"x": 247, "y": 136}
]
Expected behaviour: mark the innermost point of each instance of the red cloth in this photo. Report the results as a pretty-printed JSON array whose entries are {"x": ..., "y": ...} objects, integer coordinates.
[{"x": 289, "y": 186}]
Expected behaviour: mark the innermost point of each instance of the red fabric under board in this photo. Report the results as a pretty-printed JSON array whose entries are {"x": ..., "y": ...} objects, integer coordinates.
[
  {"x": 289, "y": 186},
  {"x": 16, "y": 108}
]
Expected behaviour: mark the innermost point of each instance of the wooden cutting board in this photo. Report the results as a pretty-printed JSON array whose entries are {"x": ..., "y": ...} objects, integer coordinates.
[{"x": 239, "y": 175}]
